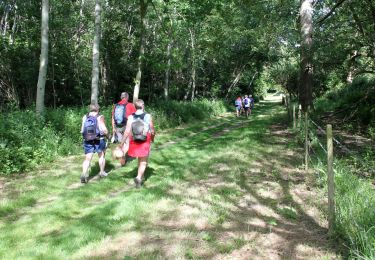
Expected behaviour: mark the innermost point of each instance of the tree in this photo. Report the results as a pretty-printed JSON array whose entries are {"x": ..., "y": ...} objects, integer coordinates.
[
  {"x": 95, "y": 55},
  {"x": 43, "y": 59},
  {"x": 142, "y": 10},
  {"x": 306, "y": 80}
]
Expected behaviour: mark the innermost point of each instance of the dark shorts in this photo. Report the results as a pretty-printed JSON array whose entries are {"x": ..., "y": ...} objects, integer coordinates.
[
  {"x": 96, "y": 146},
  {"x": 247, "y": 108}
]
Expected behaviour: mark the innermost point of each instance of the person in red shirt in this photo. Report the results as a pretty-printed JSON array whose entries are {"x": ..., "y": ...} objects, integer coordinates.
[
  {"x": 140, "y": 142},
  {"x": 120, "y": 113}
]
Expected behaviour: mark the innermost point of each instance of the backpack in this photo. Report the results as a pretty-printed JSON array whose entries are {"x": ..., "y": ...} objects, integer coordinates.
[
  {"x": 91, "y": 128},
  {"x": 139, "y": 128},
  {"x": 119, "y": 115},
  {"x": 238, "y": 102},
  {"x": 246, "y": 101}
]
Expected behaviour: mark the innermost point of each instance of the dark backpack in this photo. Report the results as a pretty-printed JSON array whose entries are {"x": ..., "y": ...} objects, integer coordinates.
[
  {"x": 139, "y": 128},
  {"x": 246, "y": 101},
  {"x": 91, "y": 128},
  {"x": 119, "y": 115}
]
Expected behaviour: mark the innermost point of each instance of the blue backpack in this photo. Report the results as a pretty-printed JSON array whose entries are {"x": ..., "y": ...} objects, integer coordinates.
[
  {"x": 246, "y": 101},
  {"x": 91, "y": 128},
  {"x": 119, "y": 115}
]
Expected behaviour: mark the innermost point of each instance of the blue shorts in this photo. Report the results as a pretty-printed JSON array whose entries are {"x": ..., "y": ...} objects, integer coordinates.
[
  {"x": 95, "y": 146},
  {"x": 238, "y": 108}
]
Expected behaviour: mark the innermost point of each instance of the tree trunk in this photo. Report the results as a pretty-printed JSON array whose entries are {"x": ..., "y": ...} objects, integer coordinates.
[
  {"x": 236, "y": 80},
  {"x": 43, "y": 59},
  {"x": 252, "y": 80},
  {"x": 306, "y": 80},
  {"x": 143, "y": 8},
  {"x": 95, "y": 56},
  {"x": 5, "y": 22},
  {"x": 193, "y": 64},
  {"x": 167, "y": 71}
]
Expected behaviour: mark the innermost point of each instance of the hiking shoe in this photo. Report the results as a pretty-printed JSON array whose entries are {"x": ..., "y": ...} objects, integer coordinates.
[
  {"x": 83, "y": 179},
  {"x": 137, "y": 183},
  {"x": 103, "y": 174}
]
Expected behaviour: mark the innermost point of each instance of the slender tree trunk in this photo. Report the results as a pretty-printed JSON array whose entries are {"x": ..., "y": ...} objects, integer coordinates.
[
  {"x": 167, "y": 71},
  {"x": 43, "y": 59},
  {"x": 5, "y": 22},
  {"x": 193, "y": 64},
  {"x": 77, "y": 67},
  {"x": 14, "y": 26},
  {"x": 252, "y": 80},
  {"x": 236, "y": 80},
  {"x": 95, "y": 56},
  {"x": 143, "y": 8},
  {"x": 306, "y": 84}
]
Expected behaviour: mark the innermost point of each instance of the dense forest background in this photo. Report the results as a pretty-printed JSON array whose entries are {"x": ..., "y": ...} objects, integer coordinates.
[{"x": 189, "y": 49}]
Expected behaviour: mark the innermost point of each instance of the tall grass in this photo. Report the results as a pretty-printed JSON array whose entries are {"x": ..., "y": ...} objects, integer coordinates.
[
  {"x": 354, "y": 196},
  {"x": 26, "y": 141}
]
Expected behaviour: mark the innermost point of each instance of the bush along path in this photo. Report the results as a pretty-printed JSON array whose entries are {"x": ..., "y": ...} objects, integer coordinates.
[{"x": 226, "y": 188}]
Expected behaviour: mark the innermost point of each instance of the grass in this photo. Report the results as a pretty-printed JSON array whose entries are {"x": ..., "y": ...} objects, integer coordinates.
[
  {"x": 354, "y": 196},
  {"x": 189, "y": 208}
]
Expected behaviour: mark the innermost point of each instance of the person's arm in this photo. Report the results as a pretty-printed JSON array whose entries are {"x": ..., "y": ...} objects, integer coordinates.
[
  {"x": 102, "y": 126},
  {"x": 113, "y": 121},
  {"x": 127, "y": 131},
  {"x": 82, "y": 124},
  {"x": 152, "y": 129}
]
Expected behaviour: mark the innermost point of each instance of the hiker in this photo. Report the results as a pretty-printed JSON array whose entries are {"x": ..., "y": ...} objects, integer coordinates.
[
  {"x": 246, "y": 103},
  {"x": 140, "y": 131},
  {"x": 251, "y": 103},
  {"x": 120, "y": 113},
  {"x": 238, "y": 105},
  {"x": 94, "y": 132}
]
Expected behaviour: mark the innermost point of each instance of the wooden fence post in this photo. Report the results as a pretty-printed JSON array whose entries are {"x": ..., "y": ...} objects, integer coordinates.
[
  {"x": 294, "y": 116},
  {"x": 306, "y": 142},
  {"x": 331, "y": 181}
]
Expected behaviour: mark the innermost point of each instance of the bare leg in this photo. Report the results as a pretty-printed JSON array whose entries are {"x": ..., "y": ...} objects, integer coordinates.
[
  {"x": 142, "y": 164},
  {"x": 86, "y": 165},
  {"x": 125, "y": 149},
  {"x": 102, "y": 163}
]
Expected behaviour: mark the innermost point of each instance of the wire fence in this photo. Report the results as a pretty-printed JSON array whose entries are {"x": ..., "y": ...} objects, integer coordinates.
[{"x": 317, "y": 149}]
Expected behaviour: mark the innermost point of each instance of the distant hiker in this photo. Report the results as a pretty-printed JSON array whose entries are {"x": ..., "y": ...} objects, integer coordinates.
[
  {"x": 251, "y": 103},
  {"x": 94, "y": 132},
  {"x": 140, "y": 131},
  {"x": 120, "y": 113},
  {"x": 238, "y": 105},
  {"x": 246, "y": 104}
]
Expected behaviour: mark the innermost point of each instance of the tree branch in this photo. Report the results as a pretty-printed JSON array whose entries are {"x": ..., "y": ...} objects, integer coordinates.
[{"x": 320, "y": 21}]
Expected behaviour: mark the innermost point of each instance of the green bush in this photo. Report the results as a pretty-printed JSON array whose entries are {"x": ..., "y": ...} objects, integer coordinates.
[
  {"x": 25, "y": 141},
  {"x": 353, "y": 103},
  {"x": 355, "y": 217}
]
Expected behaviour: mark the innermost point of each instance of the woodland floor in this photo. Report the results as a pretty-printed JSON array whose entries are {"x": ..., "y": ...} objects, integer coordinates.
[{"x": 225, "y": 188}]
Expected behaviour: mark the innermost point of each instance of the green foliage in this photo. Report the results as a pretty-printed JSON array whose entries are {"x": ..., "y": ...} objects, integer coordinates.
[
  {"x": 355, "y": 200},
  {"x": 353, "y": 104},
  {"x": 27, "y": 141},
  {"x": 168, "y": 114}
]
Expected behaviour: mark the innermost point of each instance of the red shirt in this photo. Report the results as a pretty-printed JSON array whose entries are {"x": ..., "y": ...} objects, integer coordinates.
[{"x": 130, "y": 108}]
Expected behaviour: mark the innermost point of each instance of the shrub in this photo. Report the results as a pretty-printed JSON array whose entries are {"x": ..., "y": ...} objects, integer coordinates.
[{"x": 26, "y": 141}]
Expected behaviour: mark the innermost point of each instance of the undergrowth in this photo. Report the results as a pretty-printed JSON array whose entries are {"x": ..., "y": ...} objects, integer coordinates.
[
  {"x": 26, "y": 141},
  {"x": 352, "y": 104},
  {"x": 354, "y": 195}
]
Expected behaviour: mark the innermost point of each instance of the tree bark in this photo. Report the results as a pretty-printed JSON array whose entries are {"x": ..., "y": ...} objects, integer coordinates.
[
  {"x": 193, "y": 64},
  {"x": 306, "y": 66},
  {"x": 142, "y": 8},
  {"x": 95, "y": 56},
  {"x": 167, "y": 71},
  {"x": 43, "y": 59}
]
